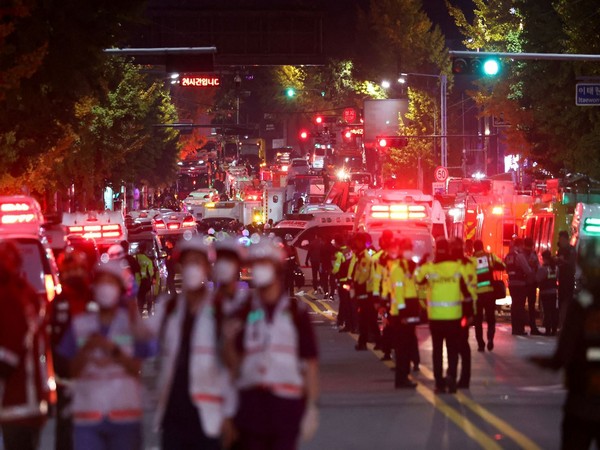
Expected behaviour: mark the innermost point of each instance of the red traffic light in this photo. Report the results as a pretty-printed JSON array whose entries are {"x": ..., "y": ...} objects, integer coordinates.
[
  {"x": 318, "y": 120},
  {"x": 304, "y": 135},
  {"x": 382, "y": 142}
]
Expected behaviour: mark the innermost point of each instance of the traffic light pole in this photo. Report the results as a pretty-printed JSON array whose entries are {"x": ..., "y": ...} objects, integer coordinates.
[{"x": 444, "y": 121}]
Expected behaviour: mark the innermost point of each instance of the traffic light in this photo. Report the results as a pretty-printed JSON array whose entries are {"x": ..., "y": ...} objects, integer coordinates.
[
  {"x": 290, "y": 92},
  {"x": 488, "y": 66},
  {"x": 318, "y": 120},
  {"x": 384, "y": 142},
  {"x": 303, "y": 135}
]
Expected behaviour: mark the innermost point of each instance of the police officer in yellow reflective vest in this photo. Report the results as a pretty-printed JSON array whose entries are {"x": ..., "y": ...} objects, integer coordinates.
[
  {"x": 378, "y": 268},
  {"x": 486, "y": 303},
  {"x": 404, "y": 313},
  {"x": 469, "y": 298},
  {"x": 360, "y": 276},
  {"x": 341, "y": 271},
  {"x": 444, "y": 309}
]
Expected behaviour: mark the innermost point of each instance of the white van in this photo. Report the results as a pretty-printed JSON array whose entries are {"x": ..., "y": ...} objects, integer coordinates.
[{"x": 304, "y": 227}]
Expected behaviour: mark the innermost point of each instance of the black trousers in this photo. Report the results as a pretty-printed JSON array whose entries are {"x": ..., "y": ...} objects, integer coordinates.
[
  {"x": 368, "y": 329},
  {"x": 579, "y": 433},
  {"x": 142, "y": 296},
  {"x": 464, "y": 353},
  {"x": 404, "y": 340},
  {"x": 444, "y": 331},
  {"x": 566, "y": 291},
  {"x": 530, "y": 291},
  {"x": 20, "y": 437},
  {"x": 315, "y": 269},
  {"x": 550, "y": 309},
  {"x": 486, "y": 307},
  {"x": 517, "y": 309}
]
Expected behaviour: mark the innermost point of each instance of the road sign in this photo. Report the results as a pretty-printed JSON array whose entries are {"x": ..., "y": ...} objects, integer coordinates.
[
  {"x": 438, "y": 188},
  {"x": 587, "y": 94},
  {"x": 441, "y": 173}
]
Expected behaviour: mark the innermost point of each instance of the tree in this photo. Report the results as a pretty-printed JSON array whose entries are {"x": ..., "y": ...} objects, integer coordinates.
[
  {"x": 536, "y": 97},
  {"x": 50, "y": 58}
]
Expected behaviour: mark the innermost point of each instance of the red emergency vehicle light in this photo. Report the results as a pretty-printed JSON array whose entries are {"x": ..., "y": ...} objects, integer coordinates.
[
  {"x": 398, "y": 212},
  {"x": 97, "y": 231},
  {"x": 14, "y": 213}
]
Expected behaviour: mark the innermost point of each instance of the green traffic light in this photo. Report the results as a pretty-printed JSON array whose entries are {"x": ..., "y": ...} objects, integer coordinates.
[
  {"x": 491, "y": 67},
  {"x": 290, "y": 92}
]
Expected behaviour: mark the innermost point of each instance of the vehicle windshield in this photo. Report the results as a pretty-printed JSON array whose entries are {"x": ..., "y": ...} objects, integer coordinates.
[
  {"x": 35, "y": 265},
  {"x": 281, "y": 232}
]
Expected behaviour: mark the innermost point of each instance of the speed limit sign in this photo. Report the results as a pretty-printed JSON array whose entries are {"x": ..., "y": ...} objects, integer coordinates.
[{"x": 441, "y": 173}]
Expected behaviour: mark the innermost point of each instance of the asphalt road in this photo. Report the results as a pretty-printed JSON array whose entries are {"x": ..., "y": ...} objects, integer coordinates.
[{"x": 511, "y": 404}]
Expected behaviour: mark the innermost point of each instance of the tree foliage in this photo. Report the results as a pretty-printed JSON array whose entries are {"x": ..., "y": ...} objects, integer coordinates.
[{"x": 536, "y": 97}]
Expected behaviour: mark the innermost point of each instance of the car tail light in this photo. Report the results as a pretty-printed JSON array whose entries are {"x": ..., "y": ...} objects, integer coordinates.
[
  {"x": 160, "y": 225},
  {"x": 189, "y": 222},
  {"x": 50, "y": 287}
]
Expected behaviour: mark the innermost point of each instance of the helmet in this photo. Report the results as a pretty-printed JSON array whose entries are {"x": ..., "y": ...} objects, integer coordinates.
[
  {"x": 289, "y": 237},
  {"x": 269, "y": 249},
  {"x": 114, "y": 268},
  {"x": 115, "y": 252},
  {"x": 245, "y": 233},
  {"x": 211, "y": 231},
  {"x": 229, "y": 245},
  {"x": 195, "y": 243}
]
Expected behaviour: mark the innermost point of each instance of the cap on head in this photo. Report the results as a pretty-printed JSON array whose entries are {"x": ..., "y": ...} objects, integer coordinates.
[
  {"x": 114, "y": 268},
  {"x": 563, "y": 234},
  {"x": 211, "y": 231}
]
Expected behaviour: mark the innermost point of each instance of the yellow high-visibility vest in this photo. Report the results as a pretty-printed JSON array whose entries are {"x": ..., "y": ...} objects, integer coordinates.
[{"x": 445, "y": 296}]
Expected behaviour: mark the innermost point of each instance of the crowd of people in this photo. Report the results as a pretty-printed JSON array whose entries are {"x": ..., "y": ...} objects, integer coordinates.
[{"x": 237, "y": 368}]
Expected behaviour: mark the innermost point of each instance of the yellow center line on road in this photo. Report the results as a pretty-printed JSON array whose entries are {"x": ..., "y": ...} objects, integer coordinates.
[
  {"x": 315, "y": 308},
  {"x": 498, "y": 423}
]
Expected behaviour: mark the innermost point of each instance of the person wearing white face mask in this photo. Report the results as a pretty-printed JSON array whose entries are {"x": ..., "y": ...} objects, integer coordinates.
[
  {"x": 230, "y": 291},
  {"x": 196, "y": 396},
  {"x": 104, "y": 361},
  {"x": 277, "y": 399}
]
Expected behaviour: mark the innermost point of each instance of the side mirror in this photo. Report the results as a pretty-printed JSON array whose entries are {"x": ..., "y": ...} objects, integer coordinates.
[{"x": 304, "y": 243}]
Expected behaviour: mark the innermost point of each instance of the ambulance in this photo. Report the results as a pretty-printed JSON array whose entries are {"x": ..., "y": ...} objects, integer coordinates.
[
  {"x": 304, "y": 227},
  {"x": 21, "y": 222},
  {"x": 408, "y": 213},
  {"x": 105, "y": 228}
]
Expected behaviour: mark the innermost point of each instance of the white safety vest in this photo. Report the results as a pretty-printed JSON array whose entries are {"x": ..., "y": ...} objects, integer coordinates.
[
  {"x": 106, "y": 390},
  {"x": 271, "y": 358},
  {"x": 210, "y": 388}
]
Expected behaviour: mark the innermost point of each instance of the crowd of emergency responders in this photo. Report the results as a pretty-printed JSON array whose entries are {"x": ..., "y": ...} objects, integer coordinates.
[{"x": 218, "y": 314}]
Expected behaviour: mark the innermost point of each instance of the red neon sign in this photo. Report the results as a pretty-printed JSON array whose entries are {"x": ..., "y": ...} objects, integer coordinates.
[{"x": 201, "y": 81}]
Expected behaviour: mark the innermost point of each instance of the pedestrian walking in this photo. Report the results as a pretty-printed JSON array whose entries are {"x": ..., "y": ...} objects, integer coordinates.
[
  {"x": 313, "y": 260},
  {"x": 274, "y": 351},
  {"x": 229, "y": 290},
  {"x": 25, "y": 394},
  {"x": 105, "y": 361},
  {"x": 73, "y": 300},
  {"x": 291, "y": 263},
  {"x": 327, "y": 279},
  {"x": 444, "y": 310},
  {"x": 577, "y": 353},
  {"x": 196, "y": 396},
  {"x": 486, "y": 263},
  {"x": 519, "y": 272},
  {"x": 547, "y": 279},
  {"x": 531, "y": 284},
  {"x": 144, "y": 279},
  {"x": 566, "y": 259}
]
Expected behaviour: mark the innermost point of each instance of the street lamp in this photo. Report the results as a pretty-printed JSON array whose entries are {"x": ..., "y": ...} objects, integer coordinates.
[
  {"x": 443, "y": 109},
  {"x": 385, "y": 84}
]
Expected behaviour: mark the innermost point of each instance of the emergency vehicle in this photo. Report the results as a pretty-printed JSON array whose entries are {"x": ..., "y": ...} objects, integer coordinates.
[
  {"x": 487, "y": 209},
  {"x": 408, "y": 213},
  {"x": 21, "y": 222},
  {"x": 304, "y": 227},
  {"x": 553, "y": 210},
  {"x": 197, "y": 198},
  {"x": 105, "y": 228}
]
